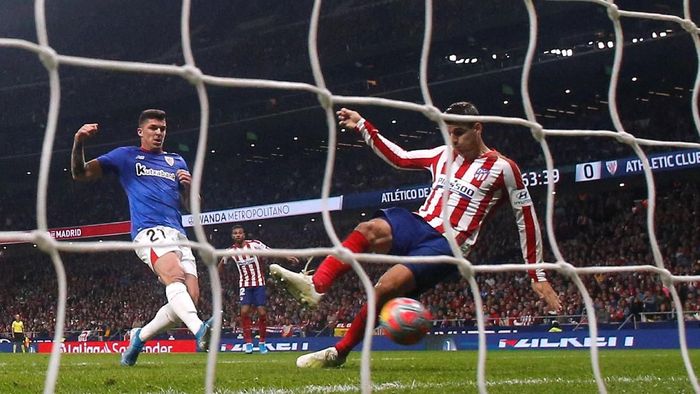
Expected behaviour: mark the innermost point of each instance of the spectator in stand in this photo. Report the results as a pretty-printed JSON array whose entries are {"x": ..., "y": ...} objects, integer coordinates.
[
  {"x": 287, "y": 329},
  {"x": 95, "y": 289}
]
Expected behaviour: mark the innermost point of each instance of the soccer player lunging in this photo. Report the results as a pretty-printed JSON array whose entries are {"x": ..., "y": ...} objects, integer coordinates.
[
  {"x": 156, "y": 183},
  {"x": 479, "y": 179},
  {"x": 251, "y": 284}
]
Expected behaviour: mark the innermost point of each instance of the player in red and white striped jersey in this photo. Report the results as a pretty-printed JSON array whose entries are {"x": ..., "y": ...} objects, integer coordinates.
[
  {"x": 480, "y": 178},
  {"x": 251, "y": 284}
]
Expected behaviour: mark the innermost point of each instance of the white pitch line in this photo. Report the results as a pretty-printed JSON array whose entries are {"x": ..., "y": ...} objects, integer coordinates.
[{"x": 449, "y": 386}]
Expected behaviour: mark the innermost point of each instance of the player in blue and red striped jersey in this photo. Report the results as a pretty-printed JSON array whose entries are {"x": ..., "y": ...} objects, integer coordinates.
[
  {"x": 251, "y": 284},
  {"x": 156, "y": 183},
  {"x": 479, "y": 179}
]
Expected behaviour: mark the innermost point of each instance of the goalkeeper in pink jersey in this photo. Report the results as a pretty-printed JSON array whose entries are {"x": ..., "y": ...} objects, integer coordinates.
[{"x": 479, "y": 179}]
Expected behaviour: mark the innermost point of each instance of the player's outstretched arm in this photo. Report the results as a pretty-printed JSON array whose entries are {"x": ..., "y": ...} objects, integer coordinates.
[
  {"x": 80, "y": 170},
  {"x": 387, "y": 150},
  {"x": 545, "y": 291},
  {"x": 348, "y": 118}
]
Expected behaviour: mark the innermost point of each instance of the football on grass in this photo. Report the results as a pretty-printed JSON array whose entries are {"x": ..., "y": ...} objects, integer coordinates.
[{"x": 405, "y": 320}]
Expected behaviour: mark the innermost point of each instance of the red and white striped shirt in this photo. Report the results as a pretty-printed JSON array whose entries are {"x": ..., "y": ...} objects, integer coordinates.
[
  {"x": 475, "y": 187},
  {"x": 250, "y": 272}
]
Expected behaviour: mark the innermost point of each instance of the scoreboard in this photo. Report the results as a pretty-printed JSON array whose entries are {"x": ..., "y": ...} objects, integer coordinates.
[{"x": 668, "y": 161}]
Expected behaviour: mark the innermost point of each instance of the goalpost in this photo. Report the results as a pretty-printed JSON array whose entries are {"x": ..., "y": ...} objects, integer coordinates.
[{"x": 327, "y": 100}]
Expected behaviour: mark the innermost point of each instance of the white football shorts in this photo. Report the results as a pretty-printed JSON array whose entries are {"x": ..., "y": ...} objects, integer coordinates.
[{"x": 162, "y": 235}]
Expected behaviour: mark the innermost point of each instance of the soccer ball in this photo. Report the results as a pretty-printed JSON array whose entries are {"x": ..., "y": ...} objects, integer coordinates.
[{"x": 405, "y": 320}]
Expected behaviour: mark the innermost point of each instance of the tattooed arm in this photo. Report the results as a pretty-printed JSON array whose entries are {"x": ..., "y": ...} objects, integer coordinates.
[{"x": 81, "y": 170}]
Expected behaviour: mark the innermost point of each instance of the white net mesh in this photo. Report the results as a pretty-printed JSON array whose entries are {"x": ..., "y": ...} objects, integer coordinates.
[{"x": 189, "y": 71}]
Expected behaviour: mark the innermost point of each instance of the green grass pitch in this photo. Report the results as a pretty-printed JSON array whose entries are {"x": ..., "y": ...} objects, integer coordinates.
[{"x": 552, "y": 371}]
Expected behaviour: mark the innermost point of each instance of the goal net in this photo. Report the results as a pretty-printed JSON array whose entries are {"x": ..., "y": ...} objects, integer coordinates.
[{"x": 187, "y": 71}]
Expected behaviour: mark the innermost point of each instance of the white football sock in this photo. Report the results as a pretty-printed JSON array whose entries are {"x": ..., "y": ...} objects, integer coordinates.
[
  {"x": 164, "y": 320},
  {"x": 181, "y": 303}
]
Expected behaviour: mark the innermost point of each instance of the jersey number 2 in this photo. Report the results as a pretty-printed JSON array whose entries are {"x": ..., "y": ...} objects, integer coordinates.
[{"x": 153, "y": 235}]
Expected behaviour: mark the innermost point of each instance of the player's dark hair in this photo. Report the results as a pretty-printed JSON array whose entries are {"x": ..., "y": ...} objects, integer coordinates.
[
  {"x": 151, "y": 114},
  {"x": 463, "y": 108},
  {"x": 235, "y": 226}
]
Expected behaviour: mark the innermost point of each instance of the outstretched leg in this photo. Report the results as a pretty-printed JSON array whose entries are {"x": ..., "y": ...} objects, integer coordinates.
[
  {"x": 396, "y": 282},
  {"x": 374, "y": 235}
]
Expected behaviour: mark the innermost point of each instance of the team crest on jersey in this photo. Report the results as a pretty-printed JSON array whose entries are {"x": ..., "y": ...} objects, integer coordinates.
[
  {"x": 481, "y": 174},
  {"x": 611, "y": 166},
  {"x": 169, "y": 160}
]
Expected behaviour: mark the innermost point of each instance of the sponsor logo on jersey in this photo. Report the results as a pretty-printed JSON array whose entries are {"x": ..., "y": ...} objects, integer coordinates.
[
  {"x": 140, "y": 157},
  {"x": 464, "y": 189},
  {"x": 169, "y": 160},
  {"x": 611, "y": 166},
  {"x": 142, "y": 170},
  {"x": 520, "y": 198},
  {"x": 481, "y": 174},
  {"x": 563, "y": 342}
]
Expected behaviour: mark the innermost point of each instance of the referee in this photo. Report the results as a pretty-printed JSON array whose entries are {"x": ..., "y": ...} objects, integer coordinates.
[{"x": 17, "y": 334}]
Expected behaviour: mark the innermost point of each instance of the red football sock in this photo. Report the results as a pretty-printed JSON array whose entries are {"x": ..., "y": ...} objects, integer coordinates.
[
  {"x": 332, "y": 268},
  {"x": 246, "y": 322},
  {"x": 354, "y": 334},
  {"x": 262, "y": 327}
]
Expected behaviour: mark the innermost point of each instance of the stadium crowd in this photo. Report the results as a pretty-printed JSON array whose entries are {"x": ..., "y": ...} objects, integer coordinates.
[
  {"x": 391, "y": 65},
  {"x": 593, "y": 229},
  {"x": 603, "y": 226}
]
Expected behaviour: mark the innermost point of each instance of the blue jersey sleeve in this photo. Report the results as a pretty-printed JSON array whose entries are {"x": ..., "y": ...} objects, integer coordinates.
[{"x": 111, "y": 161}]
